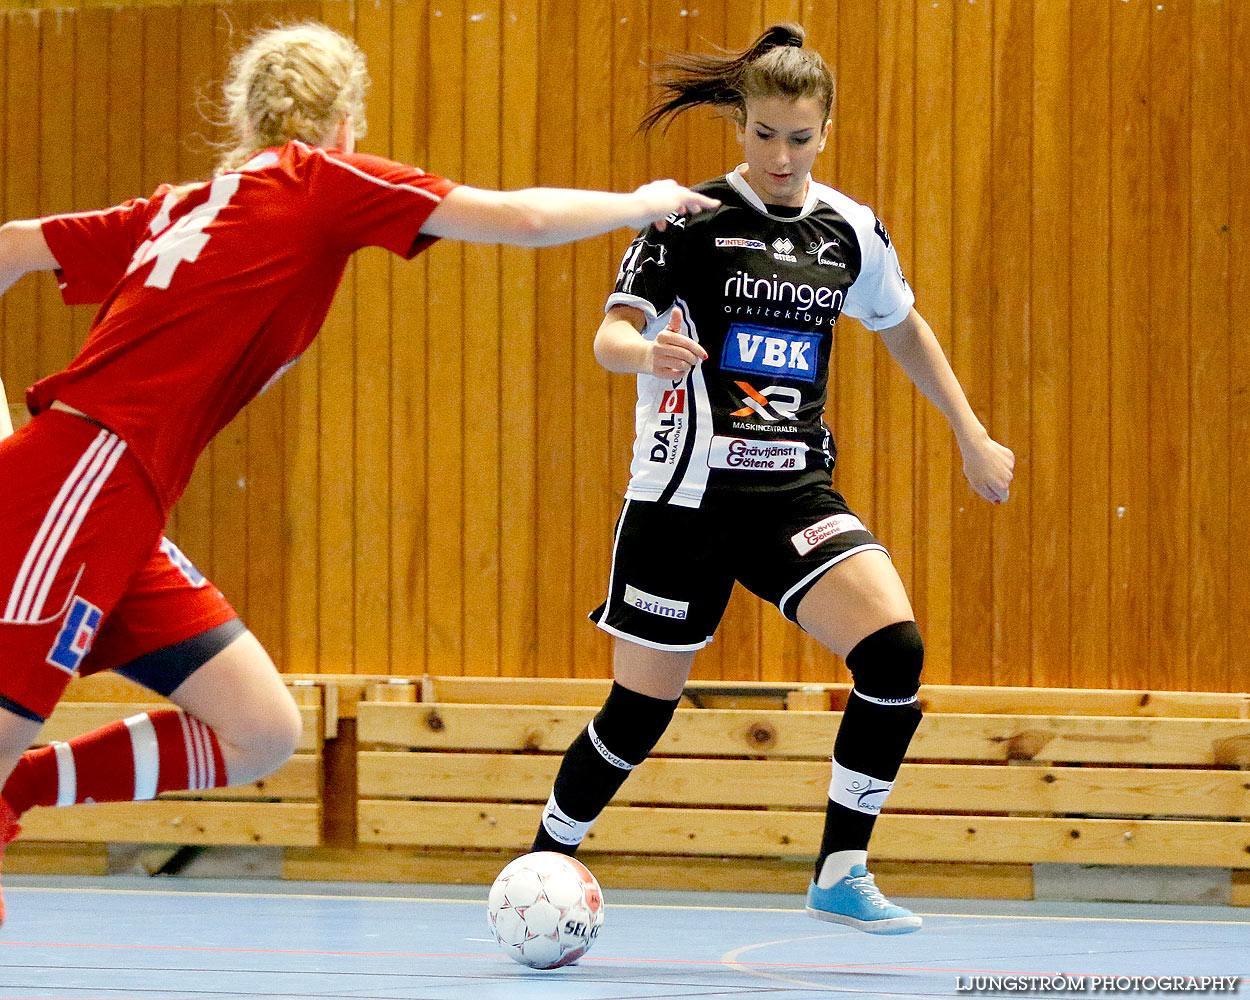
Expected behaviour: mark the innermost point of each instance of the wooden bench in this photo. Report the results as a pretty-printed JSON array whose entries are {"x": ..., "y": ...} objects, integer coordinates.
[
  {"x": 282, "y": 810},
  {"x": 997, "y": 779},
  {"x": 442, "y": 778}
]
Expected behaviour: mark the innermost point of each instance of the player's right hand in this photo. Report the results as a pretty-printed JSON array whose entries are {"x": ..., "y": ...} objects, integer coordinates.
[
  {"x": 672, "y": 355},
  {"x": 660, "y": 199}
]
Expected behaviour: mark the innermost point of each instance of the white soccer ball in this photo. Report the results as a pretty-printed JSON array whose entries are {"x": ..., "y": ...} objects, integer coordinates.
[{"x": 545, "y": 910}]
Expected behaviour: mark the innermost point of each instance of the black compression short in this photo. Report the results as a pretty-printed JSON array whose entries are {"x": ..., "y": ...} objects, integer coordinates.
[{"x": 673, "y": 568}]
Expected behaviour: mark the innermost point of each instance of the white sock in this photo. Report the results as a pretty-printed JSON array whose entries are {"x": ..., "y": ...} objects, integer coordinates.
[
  {"x": 561, "y": 827},
  {"x": 838, "y": 866}
]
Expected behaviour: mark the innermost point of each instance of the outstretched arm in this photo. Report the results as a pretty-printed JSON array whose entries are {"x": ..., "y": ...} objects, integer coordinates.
[
  {"x": 538, "y": 217},
  {"x": 6, "y": 422},
  {"x": 23, "y": 249},
  {"x": 987, "y": 464}
]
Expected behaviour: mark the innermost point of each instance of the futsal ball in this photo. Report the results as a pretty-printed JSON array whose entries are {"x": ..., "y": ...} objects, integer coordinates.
[{"x": 545, "y": 910}]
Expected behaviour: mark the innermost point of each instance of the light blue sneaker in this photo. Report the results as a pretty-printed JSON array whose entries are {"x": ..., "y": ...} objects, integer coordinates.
[{"x": 857, "y": 902}]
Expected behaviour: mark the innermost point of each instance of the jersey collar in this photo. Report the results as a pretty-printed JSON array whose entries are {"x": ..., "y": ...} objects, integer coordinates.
[{"x": 739, "y": 183}]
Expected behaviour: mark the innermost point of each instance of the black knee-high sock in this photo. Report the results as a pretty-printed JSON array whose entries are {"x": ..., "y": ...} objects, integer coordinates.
[
  {"x": 597, "y": 763},
  {"x": 872, "y": 740},
  {"x": 881, "y": 717}
]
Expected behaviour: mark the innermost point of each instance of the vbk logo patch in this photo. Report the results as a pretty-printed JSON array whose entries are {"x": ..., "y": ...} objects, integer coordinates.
[
  {"x": 762, "y": 350},
  {"x": 74, "y": 640},
  {"x": 673, "y": 401}
]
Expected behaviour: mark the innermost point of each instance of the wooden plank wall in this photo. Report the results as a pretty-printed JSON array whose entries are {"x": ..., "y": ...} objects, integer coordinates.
[{"x": 433, "y": 488}]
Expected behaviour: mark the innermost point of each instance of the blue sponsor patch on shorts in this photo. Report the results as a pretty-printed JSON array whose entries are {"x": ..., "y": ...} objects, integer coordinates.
[
  {"x": 73, "y": 641},
  {"x": 763, "y": 350}
]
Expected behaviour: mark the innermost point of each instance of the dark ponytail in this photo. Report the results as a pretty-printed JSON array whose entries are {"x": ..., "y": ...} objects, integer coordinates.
[{"x": 775, "y": 64}]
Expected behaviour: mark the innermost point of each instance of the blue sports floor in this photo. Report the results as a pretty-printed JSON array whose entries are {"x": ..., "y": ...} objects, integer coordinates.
[{"x": 205, "y": 939}]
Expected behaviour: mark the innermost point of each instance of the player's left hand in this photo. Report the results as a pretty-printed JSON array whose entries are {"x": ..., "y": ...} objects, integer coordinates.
[
  {"x": 988, "y": 466},
  {"x": 672, "y": 354}
]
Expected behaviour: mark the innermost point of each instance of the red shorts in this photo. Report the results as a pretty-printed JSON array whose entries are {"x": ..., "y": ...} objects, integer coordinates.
[{"x": 88, "y": 582}]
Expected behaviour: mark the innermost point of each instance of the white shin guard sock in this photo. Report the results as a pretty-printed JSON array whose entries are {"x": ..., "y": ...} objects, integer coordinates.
[
  {"x": 838, "y": 866},
  {"x": 561, "y": 827},
  {"x": 861, "y": 792}
]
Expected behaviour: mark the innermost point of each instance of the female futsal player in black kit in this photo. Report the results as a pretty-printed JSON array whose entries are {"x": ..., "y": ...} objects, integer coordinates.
[{"x": 727, "y": 317}]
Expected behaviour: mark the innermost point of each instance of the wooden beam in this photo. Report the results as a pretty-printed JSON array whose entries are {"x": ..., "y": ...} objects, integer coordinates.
[
  {"x": 1240, "y": 894},
  {"x": 788, "y": 875},
  {"x": 33, "y": 858},
  {"x": 933, "y": 697},
  {"x": 1222, "y": 742},
  {"x": 772, "y": 833},
  {"x": 108, "y": 686},
  {"x": 350, "y": 689},
  {"x": 1082, "y": 701},
  {"x": 443, "y": 866},
  {"x": 298, "y": 778},
  {"x": 954, "y": 880},
  {"x": 281, "y": 824},
  {"x": 343, "y": 691},
  {"x": 970, "y": 788},
  {"x": 75, "y": 718}
]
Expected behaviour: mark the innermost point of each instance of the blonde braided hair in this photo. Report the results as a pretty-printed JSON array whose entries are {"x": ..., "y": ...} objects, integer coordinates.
[{"x": 289, "y": 83}]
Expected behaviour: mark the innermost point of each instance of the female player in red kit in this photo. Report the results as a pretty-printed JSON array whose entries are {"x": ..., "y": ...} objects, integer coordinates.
[{"x": 208, "y": 293}]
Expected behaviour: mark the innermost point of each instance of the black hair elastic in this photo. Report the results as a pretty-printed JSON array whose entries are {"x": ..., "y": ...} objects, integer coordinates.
[{"x": 783, "y": 35}]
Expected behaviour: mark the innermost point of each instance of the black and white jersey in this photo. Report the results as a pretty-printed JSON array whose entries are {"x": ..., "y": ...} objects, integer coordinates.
[{"x": 760, "y": 291}]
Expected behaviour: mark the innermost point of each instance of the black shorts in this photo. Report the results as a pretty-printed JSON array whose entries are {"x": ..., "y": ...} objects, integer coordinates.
[{"x": 673, "y": 568}]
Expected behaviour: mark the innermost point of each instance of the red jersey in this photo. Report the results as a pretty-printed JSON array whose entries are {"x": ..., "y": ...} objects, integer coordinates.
[{"x": 209, "y": 296}]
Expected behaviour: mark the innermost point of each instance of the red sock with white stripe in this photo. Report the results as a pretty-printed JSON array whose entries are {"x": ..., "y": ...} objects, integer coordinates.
[{"x": 133, "y": 759}]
